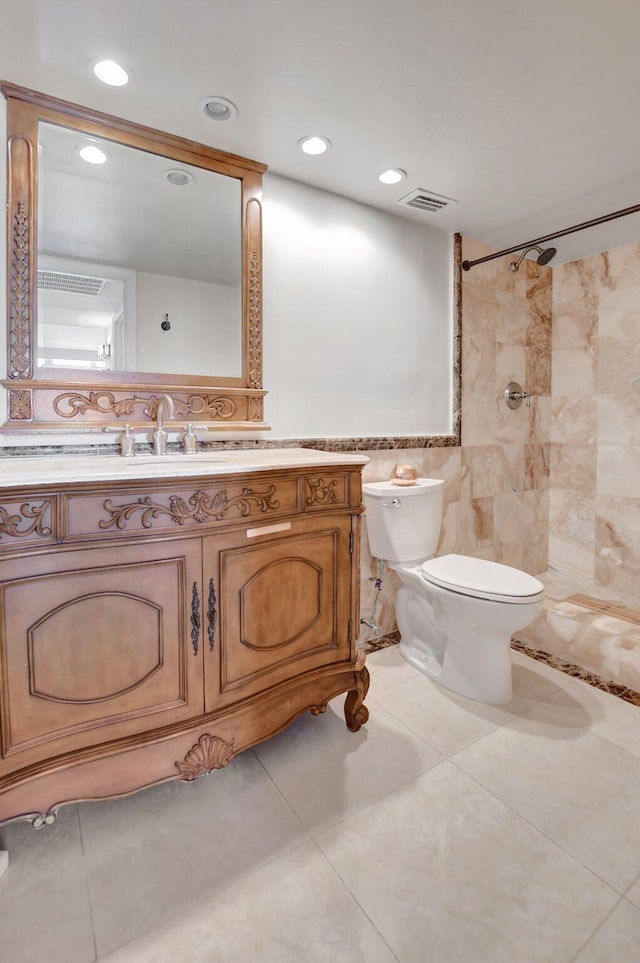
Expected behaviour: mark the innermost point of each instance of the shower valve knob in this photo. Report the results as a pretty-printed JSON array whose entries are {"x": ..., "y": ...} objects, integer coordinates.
[{"x": 514, "y": 395}]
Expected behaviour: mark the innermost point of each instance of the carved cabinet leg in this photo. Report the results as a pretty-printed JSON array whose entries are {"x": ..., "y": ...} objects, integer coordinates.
[{"x": 355, "y": 711}]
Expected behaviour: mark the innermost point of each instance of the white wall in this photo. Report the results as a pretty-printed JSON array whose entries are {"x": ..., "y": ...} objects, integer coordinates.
[
  {"x": 205, "y": 333},
  {"x": 357, "y": 318},
  {"x": 3, "y": 259}
]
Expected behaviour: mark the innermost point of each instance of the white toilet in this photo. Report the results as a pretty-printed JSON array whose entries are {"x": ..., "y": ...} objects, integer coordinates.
[{"x": 456, "y": 614}]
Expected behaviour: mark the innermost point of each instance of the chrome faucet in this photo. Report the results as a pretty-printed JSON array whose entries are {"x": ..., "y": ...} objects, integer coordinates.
[{"x": 160, "y": 435}]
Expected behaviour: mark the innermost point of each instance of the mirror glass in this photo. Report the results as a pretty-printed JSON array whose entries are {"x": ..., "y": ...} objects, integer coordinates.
[{"x": 139, "y": 260}]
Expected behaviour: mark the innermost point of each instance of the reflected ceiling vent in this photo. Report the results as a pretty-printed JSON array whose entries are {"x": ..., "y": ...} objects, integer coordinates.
[
  {"x": 426, "y": 201},
  {"x": 70, "y": 283}
]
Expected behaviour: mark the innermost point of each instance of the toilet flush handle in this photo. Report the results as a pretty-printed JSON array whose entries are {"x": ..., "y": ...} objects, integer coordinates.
[{"x": 394, "y": 503}]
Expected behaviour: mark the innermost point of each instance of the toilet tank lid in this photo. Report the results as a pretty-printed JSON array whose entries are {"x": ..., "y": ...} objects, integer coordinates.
[
  {"x": 482, "y": 576},
  {"x": 386, "y": 489}
]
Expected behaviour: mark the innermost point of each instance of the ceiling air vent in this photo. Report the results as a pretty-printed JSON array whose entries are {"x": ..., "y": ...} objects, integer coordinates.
[
  {"x": 70, "y": 283},
  {"x": 426, "y": 201}
]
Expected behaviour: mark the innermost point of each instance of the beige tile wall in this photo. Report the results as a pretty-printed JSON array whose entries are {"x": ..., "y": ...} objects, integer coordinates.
[
  {"x": 595, "y": 431},
  {"x": 497, "y": 482}
]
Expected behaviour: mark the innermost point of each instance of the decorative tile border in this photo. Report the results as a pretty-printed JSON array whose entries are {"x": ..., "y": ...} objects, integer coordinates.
[
  {"x": 621, "y": 691},
  {"x": 321, "y": 444},
  {"x": 384, "y": 642}
]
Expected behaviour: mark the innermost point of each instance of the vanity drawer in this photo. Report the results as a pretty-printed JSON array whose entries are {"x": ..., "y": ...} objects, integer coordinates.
[
  {"x": 26, "y": 521},
  {"x": 323, "y": 490},
  {"x": 160, "y": 508}
]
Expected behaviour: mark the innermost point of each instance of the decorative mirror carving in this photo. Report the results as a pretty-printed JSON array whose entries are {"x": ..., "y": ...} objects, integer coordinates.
[{"x": 82, "y": 369}]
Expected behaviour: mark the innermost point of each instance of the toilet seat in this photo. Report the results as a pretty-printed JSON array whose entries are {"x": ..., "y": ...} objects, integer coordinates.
[{"x": 482, "y": 579}]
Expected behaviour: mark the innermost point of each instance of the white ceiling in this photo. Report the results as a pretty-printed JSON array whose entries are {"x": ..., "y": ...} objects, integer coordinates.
[{"x": 522, "y": 110}]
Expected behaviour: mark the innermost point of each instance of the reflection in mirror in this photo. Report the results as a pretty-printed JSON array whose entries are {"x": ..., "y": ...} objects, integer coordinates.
[{"x": 139, "y": 260}]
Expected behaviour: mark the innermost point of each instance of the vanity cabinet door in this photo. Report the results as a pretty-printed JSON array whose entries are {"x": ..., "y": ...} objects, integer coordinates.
[
  {"x": 98, "y": 644},
  {"x": 282, "y": 604}
]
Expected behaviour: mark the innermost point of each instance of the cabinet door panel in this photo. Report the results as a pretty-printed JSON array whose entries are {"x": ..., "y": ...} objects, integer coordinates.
[
  {"x": 103, "y": 644},
  {"x": 284, "y": 605},
  {"x": 66, "y": 665}
]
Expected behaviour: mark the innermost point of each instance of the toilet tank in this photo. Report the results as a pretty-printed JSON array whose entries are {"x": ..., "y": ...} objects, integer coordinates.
[{"x": 403, "y": 523}]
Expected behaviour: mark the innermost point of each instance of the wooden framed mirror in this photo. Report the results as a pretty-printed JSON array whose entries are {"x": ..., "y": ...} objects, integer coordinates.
[{"x": 134, "y": 273}]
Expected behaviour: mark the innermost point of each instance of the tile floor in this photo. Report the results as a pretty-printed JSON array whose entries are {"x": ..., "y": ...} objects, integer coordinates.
[{"x": 444, "y": 831}]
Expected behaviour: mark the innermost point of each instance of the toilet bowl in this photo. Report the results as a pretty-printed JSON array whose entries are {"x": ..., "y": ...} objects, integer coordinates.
[{"x": 455, "y": 614}]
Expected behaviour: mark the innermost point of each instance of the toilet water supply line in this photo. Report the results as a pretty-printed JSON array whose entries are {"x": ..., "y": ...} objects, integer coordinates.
[{"x": 378, "y": 579}]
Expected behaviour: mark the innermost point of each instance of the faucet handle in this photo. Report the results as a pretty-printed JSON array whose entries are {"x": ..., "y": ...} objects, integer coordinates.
[
  {"x": 190, "y": 439},
  {"x": 126, "y": 440}
]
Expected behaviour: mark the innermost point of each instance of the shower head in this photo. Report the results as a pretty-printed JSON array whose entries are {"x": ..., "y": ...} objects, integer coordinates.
[{"x": 544, "y": 256}]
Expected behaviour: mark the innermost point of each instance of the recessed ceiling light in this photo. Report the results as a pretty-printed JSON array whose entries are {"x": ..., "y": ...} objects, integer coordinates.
[
  {"x": 178, "y": 177},
  {"x": 92, "y": 154},
  {"x": 109, "y": 72},
  {"x": 218, "y": 109},
  {"x": 392, "y": 176},
  {"x": 314, "y": 144}
]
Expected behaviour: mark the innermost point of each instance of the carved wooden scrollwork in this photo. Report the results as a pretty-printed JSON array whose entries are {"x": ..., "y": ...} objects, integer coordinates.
[
  {"x": 20, "y": 404},
  {"x": 321, "y": 493},
  {"x": 255, "y": 322},
  {"x": 355, "y": 711},
  {"x": 35, "y": 514},
  {"x": 19, "y": 312},
  {"x": 318, "y": 710},
  {"x": 202, "y": 508},
  {"x": 73, "y": 403},
  {"x": 209, "y": 753},
  {"x": 256, "y": 409}
]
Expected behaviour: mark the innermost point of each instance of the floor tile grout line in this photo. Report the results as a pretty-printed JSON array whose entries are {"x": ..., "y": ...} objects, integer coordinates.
[
  {"x": 537, "y": 829},
  {"x": 354, "y": 897},
  {"x": 314, "y": 833},
  {"x": 574, "y": 958},
  {"x": 214, "y": 893},
  {"x": 216, "y": 889},
  {"x": 289, "y": 804},
  {"x": 373, "y": 802},
  {"x": 407, "y": 727},
  {"x": 499, "y": 725},
  {"x": 628, "y": 890},
  {"x": 85, "y": 870},
  {"x": 553, "y": 710}
]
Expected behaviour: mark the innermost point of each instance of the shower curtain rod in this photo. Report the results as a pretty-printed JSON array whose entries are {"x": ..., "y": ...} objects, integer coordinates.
[{"x": 467, "y": 265}]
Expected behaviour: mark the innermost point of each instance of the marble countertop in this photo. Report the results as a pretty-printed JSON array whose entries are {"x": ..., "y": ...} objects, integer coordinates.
[{"x": 18, "y": 470}]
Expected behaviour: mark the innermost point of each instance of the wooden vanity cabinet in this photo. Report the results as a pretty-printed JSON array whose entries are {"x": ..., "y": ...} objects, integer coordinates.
[
  {"x": 157, "y": 629},
  {"x": 284, "y": 604},
  {"x": 95, "y": 645}
]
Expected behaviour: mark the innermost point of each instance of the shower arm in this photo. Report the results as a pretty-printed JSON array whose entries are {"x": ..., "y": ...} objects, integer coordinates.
[{"x": 539, "y": 241}]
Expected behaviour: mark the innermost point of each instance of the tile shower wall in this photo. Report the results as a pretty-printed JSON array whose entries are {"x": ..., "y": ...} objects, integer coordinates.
[
  {"x": 595, "y": 429},
  {"x": 497, "y": 482}
]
